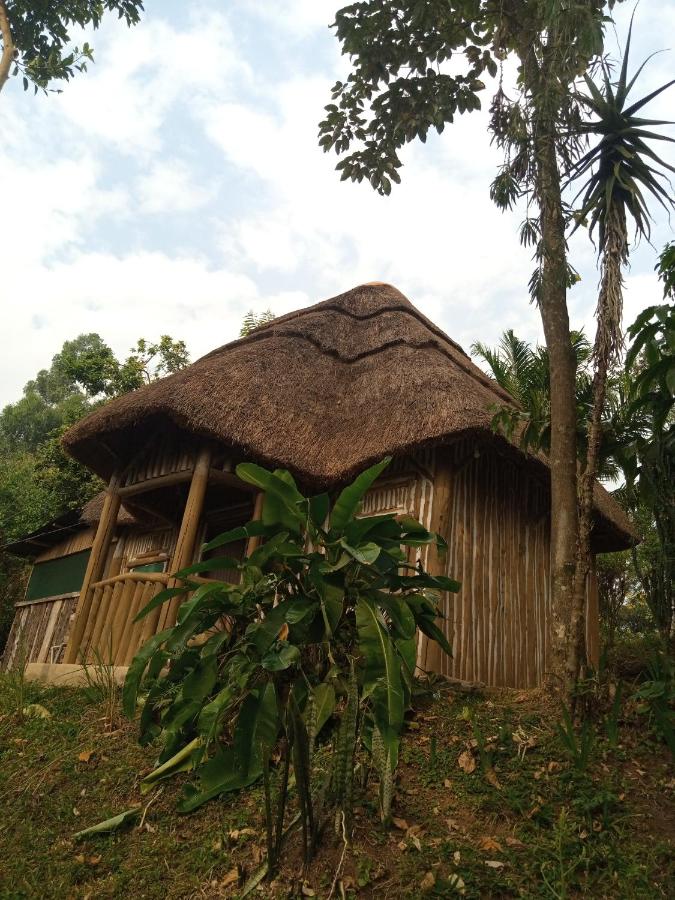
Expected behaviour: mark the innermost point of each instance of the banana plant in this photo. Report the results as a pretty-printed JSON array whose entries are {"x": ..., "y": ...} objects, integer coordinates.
[{"x": 314, "y": 644}]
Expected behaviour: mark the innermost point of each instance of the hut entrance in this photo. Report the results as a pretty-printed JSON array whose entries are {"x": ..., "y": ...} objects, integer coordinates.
[{"x": 191, "y": 495}]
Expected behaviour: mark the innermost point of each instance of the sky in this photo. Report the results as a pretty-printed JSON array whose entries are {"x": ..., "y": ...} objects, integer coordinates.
[{"x": 178, "y": 184}]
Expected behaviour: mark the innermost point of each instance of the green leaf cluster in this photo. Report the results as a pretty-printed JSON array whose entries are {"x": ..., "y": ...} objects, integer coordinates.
[
  {"x": 41, "y": 33},
  {"x": 320, "y": 629}
]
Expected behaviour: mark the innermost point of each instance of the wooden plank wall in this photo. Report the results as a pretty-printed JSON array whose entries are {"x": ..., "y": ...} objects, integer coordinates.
[
  {"x": 73, "y": 543},
  {"x": 39, "y": 626}
]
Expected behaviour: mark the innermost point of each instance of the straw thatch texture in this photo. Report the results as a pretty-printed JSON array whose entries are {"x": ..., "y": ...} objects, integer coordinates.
[{"x": 323, "y": 391}]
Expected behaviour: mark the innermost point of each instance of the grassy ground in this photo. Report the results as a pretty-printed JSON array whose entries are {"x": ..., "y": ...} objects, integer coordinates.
[{"x": 490, "y": 803}]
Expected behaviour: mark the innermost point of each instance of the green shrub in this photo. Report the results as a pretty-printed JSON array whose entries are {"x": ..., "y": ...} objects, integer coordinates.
[{"x": 322, "y": 627}]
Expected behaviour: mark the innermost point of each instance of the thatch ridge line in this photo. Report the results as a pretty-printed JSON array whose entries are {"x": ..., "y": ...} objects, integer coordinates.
[
  {"x": 270, "y": 329},
  {"x": 262, "y": 331}
]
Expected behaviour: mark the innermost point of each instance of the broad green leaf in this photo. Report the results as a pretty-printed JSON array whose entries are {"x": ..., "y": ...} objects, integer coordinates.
[
  {"x": 160, "y": 599},
  {"x": 382, "y": 668},
  {"x": 383, "y": 526},
  {"x": 241, "y": 532},
  {"x": 429, "y": 627},
  {"x": 256, "y": 726},
  {"x": 209, "y": 717},
  {"x": 183, "y": 761},
  {"x": 399, "y": 612},
  {"x": 347, "y": 504},
  {"x": 204, "y": 590},
  {"x": 276, "y": 485},
  {"x": 264, "y": 633},
  {"x": 110, "y": 825},
  {"x": 201, "y": 680},
  {"x": 280, "y": 657},
  {"x": 318, "y": 509},
  {"x": 270, "y": 548},
  {"x": 132, "y": 682},
  {"x": 217, "y": 776},
  {"x": 332, "y": 596},
  {"x": 324, "y": 700},
  {"x": 366, "y": 554}
]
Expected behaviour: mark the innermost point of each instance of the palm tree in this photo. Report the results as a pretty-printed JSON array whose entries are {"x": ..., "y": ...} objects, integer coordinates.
[
  {"x": 620, "y": 174},
  {"x": 524, "y": 371}
]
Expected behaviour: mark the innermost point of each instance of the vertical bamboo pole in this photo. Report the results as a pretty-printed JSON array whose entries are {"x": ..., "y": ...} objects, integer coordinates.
[
  {"x": 187, "y": 536},
  {"x": 254, "y": 542},
  {"x": 430, "y": 654},
  {"x": 95, "y": 566}
]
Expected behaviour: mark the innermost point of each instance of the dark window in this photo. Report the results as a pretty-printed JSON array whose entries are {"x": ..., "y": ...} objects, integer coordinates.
[{"x": 57, "y": 576}]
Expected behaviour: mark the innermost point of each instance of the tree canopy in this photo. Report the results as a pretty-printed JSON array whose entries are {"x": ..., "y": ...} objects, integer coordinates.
[
  {"x": 36, "y": 37},
  {"x": 84, "y": 373}
]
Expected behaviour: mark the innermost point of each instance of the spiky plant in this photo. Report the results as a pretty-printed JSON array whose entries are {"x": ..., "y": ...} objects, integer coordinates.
[{"x": 620, "y": 170}]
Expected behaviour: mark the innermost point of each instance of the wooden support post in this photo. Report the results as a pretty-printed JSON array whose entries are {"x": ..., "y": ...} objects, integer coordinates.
[
  {"x": 187, "y": 536},
  {"x": 254, "y": 542},
  {"x": 95, "y": 566},
  {"x": 430, "y": 657}
]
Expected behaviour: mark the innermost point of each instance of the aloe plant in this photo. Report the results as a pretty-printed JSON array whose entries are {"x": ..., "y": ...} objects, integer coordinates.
[
  {"x": 619, "y": 172},
  {"x": 322, "y": 626}
]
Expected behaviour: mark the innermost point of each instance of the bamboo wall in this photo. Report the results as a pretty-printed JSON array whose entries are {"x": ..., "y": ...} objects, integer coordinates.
[
  {"x": 40, "y": 628},
  {"x": 495, "y": 518},
  {"x": 161, "y": 458},
  {"x": 490, "y": 510}
]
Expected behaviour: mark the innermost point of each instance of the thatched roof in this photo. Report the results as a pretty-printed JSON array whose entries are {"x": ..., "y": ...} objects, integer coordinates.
[
  {"x": 91, "y": 512},
  {"x": 58, "y": 529},
  {"x": 323, "y": 391}
]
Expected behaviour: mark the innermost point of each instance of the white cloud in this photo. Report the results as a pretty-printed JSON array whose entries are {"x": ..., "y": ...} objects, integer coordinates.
[
  {"x": 139, "y": 295},
  {"x": 169, "y": 187},
  {"x": 140, "y": 74},
  {"x": 184, "y": 120}
]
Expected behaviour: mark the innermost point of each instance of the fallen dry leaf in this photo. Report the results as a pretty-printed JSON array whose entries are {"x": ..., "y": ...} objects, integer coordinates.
[
  {"x": 489, "y": 844},
  {"x": 240, "y": 833},
  {"x": 401, "y": 824},
  {"x": 416, "y": 842},
  {"x": 232, "y": 877},
  {"x": 85, "y": 756},
  {"x": 428, "y": 882},
  {"x": 466, "y": 762},
  {"x": 283, "y": 632},
  {"x": 80, "y": 858},
  {"x": 94, "y": 860},
  {"x": 307, "y": 891},
  {"x": 514, "y": 842},
  {"x": 494, "y": 863},
  {"x": 447, "y": 783},
  {"x": 491, "y": 778}
]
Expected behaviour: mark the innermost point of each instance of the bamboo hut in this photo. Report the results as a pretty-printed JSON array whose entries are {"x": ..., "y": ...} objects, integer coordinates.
[{"x": 323, "y": 392}]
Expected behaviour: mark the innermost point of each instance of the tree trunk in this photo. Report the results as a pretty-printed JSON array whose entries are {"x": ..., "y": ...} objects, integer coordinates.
[
  {"x": 563, "y": 454},
  {"x": 605, "y": 350},
  {"x": 8, "y": 48}
]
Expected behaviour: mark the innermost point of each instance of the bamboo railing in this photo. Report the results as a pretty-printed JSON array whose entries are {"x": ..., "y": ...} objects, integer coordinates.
[{"x": 111, "y": 635}]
